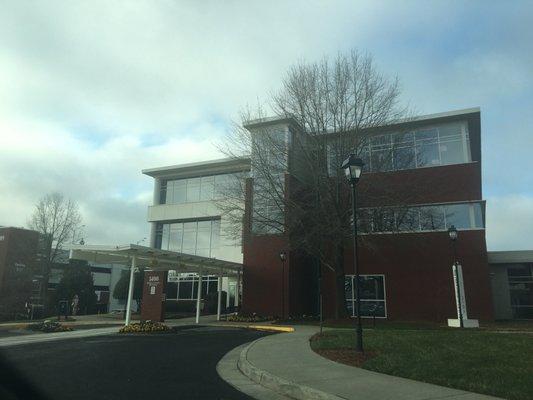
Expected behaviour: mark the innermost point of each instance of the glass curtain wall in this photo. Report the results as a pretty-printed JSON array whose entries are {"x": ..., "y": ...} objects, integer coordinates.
[
  {"x": 420, "y": 218},
  {"x": 191, "y": 190},
  {"x": 269, "y": 164},
  {"x": 437, "y": 145},
  {"x": 193, "y": 237}
]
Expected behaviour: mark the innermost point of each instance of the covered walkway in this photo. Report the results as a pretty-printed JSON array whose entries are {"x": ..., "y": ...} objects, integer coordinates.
[{"x": 153, "y": 259}]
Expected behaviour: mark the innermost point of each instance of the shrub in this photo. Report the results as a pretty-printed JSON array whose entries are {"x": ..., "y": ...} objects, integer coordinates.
[
  {"x": 182, "y": 306},
  {"x": 145, "y": 327},
  {"x": 49, "y": 326},
  {"x": 248, "y": 318}
]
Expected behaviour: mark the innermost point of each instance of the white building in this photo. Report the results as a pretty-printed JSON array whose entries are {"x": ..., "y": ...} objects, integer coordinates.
[{"x": 186, "y": 217}]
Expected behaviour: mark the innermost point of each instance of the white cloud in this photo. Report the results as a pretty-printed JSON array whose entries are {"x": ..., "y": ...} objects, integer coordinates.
[{"x": 93, "y": 92}]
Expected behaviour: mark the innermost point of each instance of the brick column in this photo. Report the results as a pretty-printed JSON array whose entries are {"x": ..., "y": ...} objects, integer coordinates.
[{"x": 153, "y": 301}]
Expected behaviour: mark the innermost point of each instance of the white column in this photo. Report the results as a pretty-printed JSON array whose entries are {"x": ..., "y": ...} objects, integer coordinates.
[
  {"x": 130, "y": 289},
  {"x": 237, "y": 289},
  {"x": 219, "y": 297},
  {"x": 198, "y": 298}
]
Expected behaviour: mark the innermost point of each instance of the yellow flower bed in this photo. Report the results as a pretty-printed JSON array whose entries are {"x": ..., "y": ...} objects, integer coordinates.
[{"x": 145, "y": 327}]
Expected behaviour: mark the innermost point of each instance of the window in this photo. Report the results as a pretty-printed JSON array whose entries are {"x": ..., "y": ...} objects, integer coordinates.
[
  {"x": 194, "y": 237},
  {"x": 427, "y": 148},
  {"x": 457, "y": 215},
  {"x": 196, "y": 189},
  {"x": 373, "y": 300},
  {"x": 185, "y": 286},
  {"x": 420, "y": 218},
  {"x": 521, "y": 290},
  {"x": 437, "y": 145}
]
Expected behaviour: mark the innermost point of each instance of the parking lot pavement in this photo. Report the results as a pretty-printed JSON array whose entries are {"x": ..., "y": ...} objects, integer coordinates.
[{"x": 180, "y": 365}]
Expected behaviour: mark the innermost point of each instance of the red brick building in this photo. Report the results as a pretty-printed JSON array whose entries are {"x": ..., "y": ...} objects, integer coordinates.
[
  {"x": 406, "y": 267},
  {"x": 406, "y": 203}
]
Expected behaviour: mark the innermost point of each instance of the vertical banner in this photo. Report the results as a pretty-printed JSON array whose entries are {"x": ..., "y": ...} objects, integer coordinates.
[{"x": 458, "y": 284}]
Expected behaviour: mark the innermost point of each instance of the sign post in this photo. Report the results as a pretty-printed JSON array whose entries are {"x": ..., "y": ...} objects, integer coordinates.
[{"x": 462, "y": 320}]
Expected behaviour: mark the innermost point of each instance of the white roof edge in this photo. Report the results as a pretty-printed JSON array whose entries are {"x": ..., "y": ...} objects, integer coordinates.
[
  {"x": 510, "y": 256},
  {"x": 446, "y": 114},
  {"x": 198, "y": 164},
  {"x": 126, "y": 251}
]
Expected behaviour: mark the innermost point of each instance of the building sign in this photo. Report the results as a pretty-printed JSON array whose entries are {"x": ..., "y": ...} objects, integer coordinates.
[
  {"x": 459, "y": 285},
  {"x": 153, "y": 281}
]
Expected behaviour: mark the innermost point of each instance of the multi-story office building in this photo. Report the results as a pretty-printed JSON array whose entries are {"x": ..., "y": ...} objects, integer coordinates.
[{"x": 435, "y": 169}]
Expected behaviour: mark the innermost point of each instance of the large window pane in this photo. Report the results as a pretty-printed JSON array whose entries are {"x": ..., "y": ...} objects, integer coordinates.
[
  {"x": 383, "y": 220},
  {"x": 452, "y": 151},
  {"x": 172, "y": 290},
  {"x": 408, "y": 219},
  {"x": 189, "y": 237},
  {"x": 180, "y": 192},
  {"x": 193, "y": 189},
  {"x": 403, "y": 150},
  {"x": 372, "y": 287},
  {"x": 207, "y": 188},
  {"x": 371, "y": 308},
  {"x": 176, "y": 235},
  {"x": 427, "y": 148},
  {"x": 458, "y": 215},
  {"x": 186, "y": 290},
  {"x": 478, "y": 215},
  {"x": 432, "y": 218},
  {"x": 372, "y": 295}
]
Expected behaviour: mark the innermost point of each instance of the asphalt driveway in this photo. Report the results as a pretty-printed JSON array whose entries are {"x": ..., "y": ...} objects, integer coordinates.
[{"x": 181, "y": 365}]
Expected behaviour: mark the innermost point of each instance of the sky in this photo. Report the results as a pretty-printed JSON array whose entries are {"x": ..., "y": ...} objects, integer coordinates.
[{"x": 93, "y": 92}]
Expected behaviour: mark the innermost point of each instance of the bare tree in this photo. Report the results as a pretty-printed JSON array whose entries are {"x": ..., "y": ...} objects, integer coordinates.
[
  {"x": 337, "y": 108},
  {"x": 57, "y": 219}
]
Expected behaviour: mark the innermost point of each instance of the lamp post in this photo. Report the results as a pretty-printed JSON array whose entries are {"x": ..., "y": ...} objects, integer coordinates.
[
  {"x": 452, "y": 232},
  {"x": 283, "y": 258},
  {"x": 353, "y": 166}
]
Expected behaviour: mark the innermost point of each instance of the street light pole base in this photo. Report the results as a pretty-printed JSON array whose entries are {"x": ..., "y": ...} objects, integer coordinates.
[{"x": 467, "y": 323}]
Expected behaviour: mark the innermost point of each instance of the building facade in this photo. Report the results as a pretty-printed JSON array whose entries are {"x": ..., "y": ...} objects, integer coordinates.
[
  {"x": 405, "y": 257},
  {"x": 186, "y": 217},
  {"x": 20, "y": 277},
  {"x": 512, "y": 284},
  {"x": 435, "y": 168}
]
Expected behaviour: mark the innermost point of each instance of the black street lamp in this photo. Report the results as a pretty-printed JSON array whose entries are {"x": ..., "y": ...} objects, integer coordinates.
[
  {"x": 353, "y": 167},
  {"x": 452, "y": 232},
  {"x": 283, "y": 258}
]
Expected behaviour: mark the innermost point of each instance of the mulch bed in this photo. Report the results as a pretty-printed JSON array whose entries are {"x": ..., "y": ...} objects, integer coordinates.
[
  {"x": 346, "y": 356},
  {"x": 343, "y": 355}
]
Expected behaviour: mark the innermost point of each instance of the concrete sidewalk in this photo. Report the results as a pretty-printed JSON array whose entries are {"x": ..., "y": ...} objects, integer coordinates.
[{"x": 286, "y": 364}]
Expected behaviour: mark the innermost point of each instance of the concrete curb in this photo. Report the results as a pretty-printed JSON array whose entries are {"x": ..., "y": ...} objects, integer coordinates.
[
  {"x": 277, "y": 384},
  {"x": 270, "y": 328}
]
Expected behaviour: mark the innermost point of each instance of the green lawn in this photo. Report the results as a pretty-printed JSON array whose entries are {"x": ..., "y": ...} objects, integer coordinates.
[{"x": 498, "y": 364}]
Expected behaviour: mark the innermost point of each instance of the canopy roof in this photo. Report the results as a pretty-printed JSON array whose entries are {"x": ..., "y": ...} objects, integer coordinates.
[{"x": 154, "y": 259}]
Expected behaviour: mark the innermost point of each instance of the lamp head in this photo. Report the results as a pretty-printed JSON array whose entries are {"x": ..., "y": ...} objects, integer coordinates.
[
  {"x": 452, "y": 232},
  {"x": 353, "y": 167}
]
